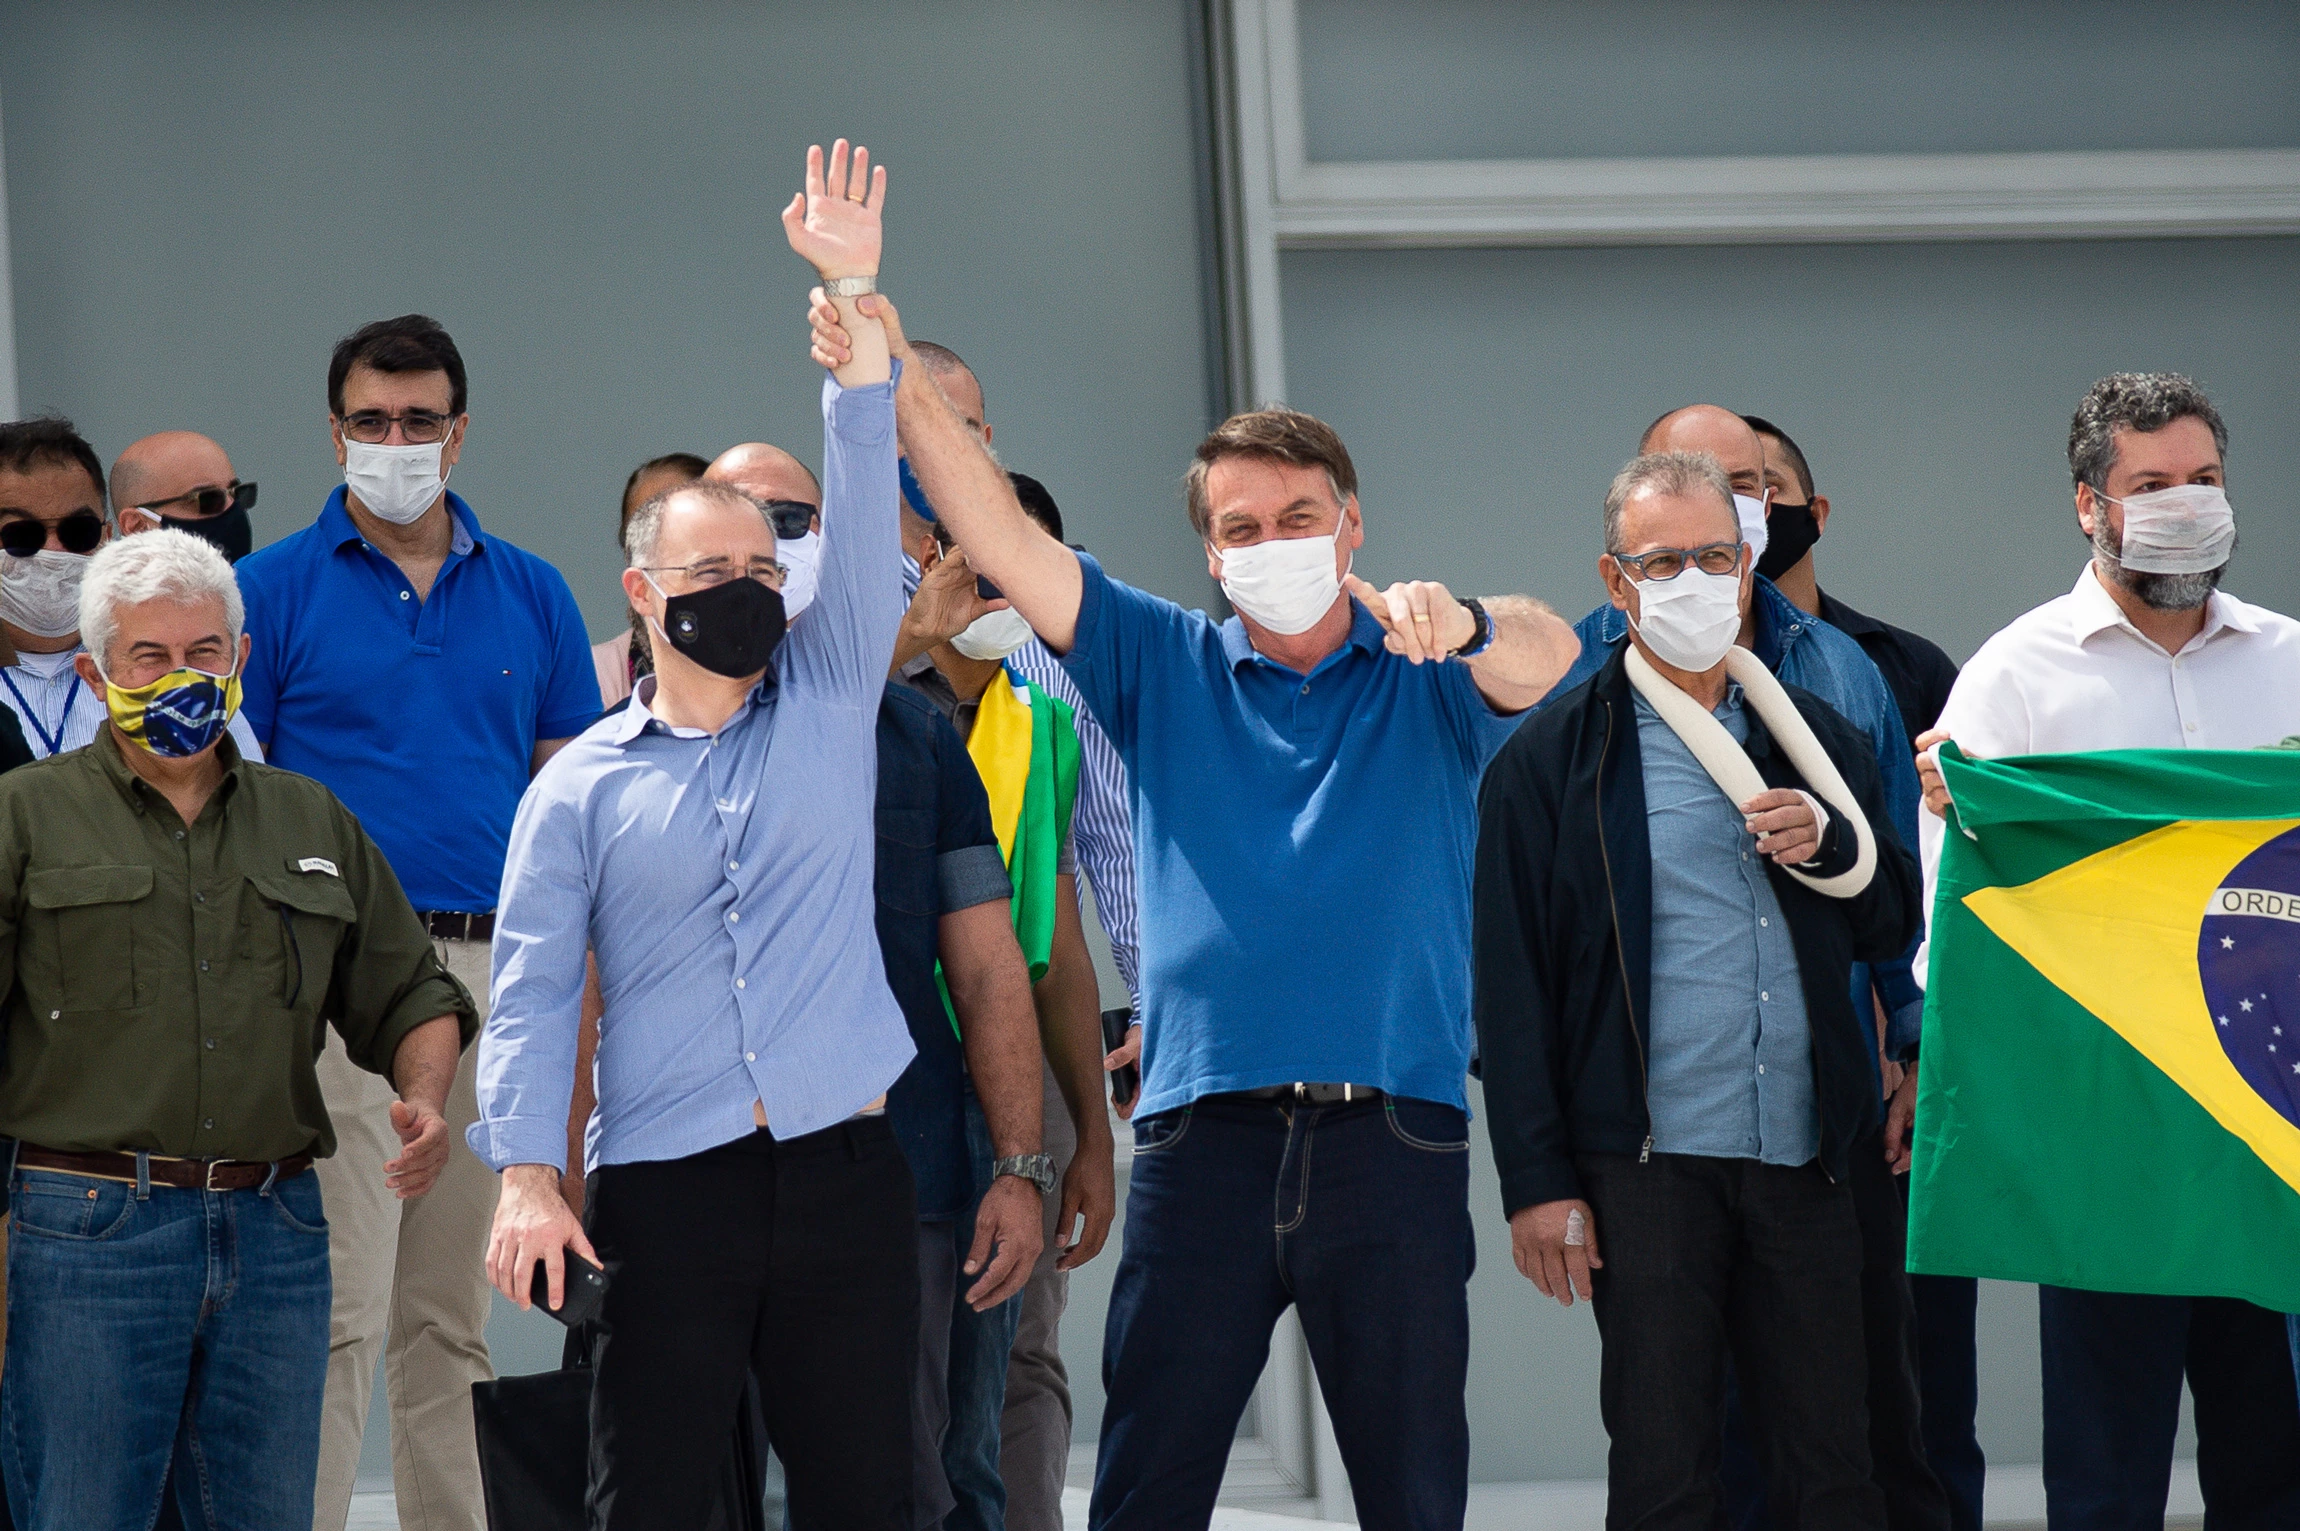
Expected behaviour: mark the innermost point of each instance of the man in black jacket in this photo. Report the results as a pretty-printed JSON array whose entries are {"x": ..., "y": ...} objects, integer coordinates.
[{"x": 1671, "y": 1058}]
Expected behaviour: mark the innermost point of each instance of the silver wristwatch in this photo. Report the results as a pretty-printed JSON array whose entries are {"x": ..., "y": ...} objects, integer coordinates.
[
  {"x": 849, "y": 286},
  {"x": 1038, "y": 1169}
]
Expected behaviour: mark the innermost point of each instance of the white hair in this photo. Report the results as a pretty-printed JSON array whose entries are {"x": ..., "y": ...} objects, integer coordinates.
[{"x": 166, "y": 565}]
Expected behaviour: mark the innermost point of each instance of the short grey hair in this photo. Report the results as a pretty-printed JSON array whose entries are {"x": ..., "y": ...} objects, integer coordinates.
[
  {"x": 2133, "y": 401},
  {"x": 163, "y": 565},
  {"x": 1665, "y": 473},
  {"x": 645, "y": 528}
]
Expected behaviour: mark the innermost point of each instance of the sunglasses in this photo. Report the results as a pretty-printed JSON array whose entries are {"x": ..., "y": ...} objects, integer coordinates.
[
  {"x": 79, "y": 532},
  {"x": 789, "y": 518},
  {"x": 209, "y": 502}
]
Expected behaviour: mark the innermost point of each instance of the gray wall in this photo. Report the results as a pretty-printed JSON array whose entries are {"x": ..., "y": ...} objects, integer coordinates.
[
  {"x": 1488, "y": 396},
  {"x": 203, "y": 199}
]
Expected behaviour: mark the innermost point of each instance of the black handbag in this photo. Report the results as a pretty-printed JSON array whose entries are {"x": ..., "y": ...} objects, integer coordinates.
[{"x": 535, "y": 1450}]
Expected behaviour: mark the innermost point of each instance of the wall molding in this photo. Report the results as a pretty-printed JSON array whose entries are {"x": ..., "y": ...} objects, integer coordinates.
[{"x": 1283, "y": 200}]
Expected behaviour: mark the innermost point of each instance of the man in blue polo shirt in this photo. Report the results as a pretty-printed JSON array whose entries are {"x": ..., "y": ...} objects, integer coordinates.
[
  {"x": 423, "y": 671},
  {"x": 1304, "y": 782}
]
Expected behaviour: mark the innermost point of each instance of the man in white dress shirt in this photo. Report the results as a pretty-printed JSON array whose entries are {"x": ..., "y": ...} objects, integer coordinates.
[{"x": 2145, "y": 653}]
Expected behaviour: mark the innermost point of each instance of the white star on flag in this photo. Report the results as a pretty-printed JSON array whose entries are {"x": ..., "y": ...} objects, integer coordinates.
[{"x": 2228, "y": 943}]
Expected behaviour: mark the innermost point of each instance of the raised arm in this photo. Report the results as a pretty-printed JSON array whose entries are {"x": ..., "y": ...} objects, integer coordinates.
[
  {"x": 843, "y": 646},
  {"x": 969, "y": 491}
]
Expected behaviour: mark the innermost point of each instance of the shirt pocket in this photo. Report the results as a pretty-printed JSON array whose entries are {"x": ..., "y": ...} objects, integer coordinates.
[
  {"x": 293, "y": 935},
  {"x": 906, "y": 851},
  {"x": 89, "y": 915}
]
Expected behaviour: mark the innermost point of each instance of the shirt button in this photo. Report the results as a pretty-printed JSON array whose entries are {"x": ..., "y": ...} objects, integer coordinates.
[
  {"x": 1760, "y": 1068},
  {"x": 734, "y": 917},
  {"x": 2191, "y": 729},
  {"x": 199, "y": 898},
  {"x": 738, "y": 983},
  {"x": 734, "y": 866},
  {"x": 55, "y": 1015},
  {"x": 407, "y": 595},
  {"x": 209, "y": 1125},
  {"x": 1762, "y": 922},
  {"x": 211, "y": 1044},
  {"x": 179, "y": 834},
  {"x": 1764, "y": 995},
  {"x": 203, "y": 964},
  {"x": 750, "y": 1057}
]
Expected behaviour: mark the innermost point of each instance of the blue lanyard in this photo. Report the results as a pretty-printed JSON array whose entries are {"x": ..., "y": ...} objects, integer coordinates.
[{"x": 55, "y": 741}]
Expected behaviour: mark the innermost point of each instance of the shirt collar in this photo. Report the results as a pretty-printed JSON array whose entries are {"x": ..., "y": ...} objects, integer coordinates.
[
  {"x": 633, "y": 720},
  {"x": 135, "y": 789},
  {"x": 339, "y": 529},
  {"x": 1365, "y": 633},
  {"x": 1846, "y": 620},
  {"x": 2093, "y": 611}
]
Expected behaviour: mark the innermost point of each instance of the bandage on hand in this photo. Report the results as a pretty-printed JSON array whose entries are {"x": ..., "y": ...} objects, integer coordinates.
[{"x": 1576, "y": 1227}]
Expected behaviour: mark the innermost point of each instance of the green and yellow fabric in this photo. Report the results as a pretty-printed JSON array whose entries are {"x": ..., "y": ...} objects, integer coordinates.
[
  {"x": 1025, "y": 745},
  {"x": 2110, "y": 1096}
]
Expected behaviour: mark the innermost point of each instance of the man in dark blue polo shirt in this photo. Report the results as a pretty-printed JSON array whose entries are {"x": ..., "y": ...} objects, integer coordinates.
[
  {"x": 423, "y": 671},
  {"x": 1304, "y": 782}
]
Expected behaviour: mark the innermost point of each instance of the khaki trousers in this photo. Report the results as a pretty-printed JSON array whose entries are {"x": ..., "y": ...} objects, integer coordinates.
[
  {"x": 410, "y": 1286},
  {"x": 1034, "y": 1432}
]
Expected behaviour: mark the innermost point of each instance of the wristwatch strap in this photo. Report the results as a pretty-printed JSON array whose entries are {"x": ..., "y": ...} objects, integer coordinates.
[
  {"x": 849, "y": 286},
  {"x": 1038, "y": 1169},
  {"x": 1481, "y": 635}
]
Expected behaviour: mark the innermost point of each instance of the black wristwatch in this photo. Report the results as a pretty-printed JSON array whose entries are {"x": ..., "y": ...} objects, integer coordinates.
[
  {"x": 1038, "y": 1169},
  {"x": 1480, "y": 636}
]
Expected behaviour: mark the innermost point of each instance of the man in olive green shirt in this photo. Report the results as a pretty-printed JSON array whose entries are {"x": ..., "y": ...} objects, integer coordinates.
[{"x": 180, "y": 926}]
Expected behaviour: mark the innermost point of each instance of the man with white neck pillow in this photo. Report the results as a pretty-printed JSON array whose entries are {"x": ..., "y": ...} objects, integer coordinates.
[{"x": 1675, "y": 1070}]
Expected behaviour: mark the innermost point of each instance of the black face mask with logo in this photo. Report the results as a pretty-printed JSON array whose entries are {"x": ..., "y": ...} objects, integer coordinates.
[
  {"x": 730, "y": 629},
  {"x": 230, "y": 532},
  {"x": 1790, "y": 532}
]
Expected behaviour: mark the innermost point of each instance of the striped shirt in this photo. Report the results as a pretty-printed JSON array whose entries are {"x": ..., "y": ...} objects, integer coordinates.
[
  {"x": 60, "y": 713},
  {"x": 1102, "y": 823}
]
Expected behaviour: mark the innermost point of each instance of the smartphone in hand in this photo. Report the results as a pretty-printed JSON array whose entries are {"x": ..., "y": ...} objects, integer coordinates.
[
  {"x": 1125, "y": 1083},
  {"x": 585, "y": 1287}
]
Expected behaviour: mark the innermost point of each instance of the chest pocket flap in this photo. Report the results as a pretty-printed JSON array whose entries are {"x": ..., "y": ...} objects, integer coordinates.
[
  {"x": 310, "y": 893},
  {"x": 77, "y": 887},
  {"x": 89, "y": 945}
]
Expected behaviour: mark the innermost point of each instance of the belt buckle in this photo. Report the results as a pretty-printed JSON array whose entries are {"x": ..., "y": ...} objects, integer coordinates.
[{"x": 208, "y": 1175}]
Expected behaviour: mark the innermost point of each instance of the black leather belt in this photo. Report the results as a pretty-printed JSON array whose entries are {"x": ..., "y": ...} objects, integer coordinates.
[
  {"x": 1306, "y": 1094},
  {"x": 454, "y": 925}
]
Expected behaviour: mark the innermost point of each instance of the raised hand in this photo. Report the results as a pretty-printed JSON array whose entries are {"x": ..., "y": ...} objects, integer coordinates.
[
  {"x": 947, "y": 603},
  {"x": 834, "y": 223}
]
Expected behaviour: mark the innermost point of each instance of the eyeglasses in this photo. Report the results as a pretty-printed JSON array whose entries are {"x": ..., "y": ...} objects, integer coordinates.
[
  {"x": 78, "y": 532},
  {"x": 789, "y": 518},
  {"x": 417, "y": 427},
  {"x": 210, "y": 502},
  {"x": 1668, "y": 563},
  {"x": 707, "y": 573}
]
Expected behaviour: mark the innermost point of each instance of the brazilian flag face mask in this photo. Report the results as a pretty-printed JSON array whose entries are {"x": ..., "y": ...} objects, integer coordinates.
[{"x": 181, "y": 713}]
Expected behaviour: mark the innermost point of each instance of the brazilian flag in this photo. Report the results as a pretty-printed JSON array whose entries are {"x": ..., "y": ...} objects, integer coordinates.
[
  {"x": 1025, "y": 747},
  {"x": 2110, "y": 1096}
]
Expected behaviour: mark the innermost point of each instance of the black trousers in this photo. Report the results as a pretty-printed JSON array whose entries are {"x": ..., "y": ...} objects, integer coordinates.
[
  {"x": 2113, "y": 1362},
  {"x": 1706, "y": 1258},
  {"x": 796, "y": 1262},
  {"x": 1915, "y": 1499}
]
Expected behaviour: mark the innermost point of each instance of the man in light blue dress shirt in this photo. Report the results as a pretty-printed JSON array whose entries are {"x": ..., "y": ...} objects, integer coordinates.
[{"x": 713, "y": 844}]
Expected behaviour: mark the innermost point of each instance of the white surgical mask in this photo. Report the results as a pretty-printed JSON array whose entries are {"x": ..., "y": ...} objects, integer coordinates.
[
  {"x": 2187, "y": 529},
  {"x": 1284, "y": 583},
  {"x": 1689, "y": 621},
  {"x": 993, "y": 635},
  {"x": 397, "y": 483},
  {"x": 41, "y": 594},
  {"x": 1752, "y": 517},
  {"x": 802, "y": 557}
]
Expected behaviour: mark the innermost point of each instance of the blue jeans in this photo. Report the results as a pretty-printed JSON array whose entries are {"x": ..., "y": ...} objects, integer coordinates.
[
  {"x": 183, "y": 1329},
  {"x": 979, "y": 1346},
  {"x": 1357, "y": 1216},
  {"x": 2113, "y": 1364}
]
